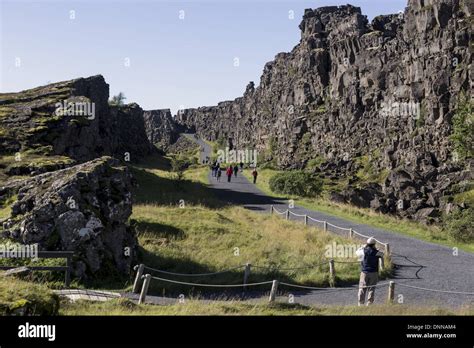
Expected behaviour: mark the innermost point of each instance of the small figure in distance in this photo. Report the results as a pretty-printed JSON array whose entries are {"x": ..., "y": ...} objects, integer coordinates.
[
  {"x": 254, "y": 174},
  {"x": 236, "y": 170},
  {"x": 229, "y": 173}
]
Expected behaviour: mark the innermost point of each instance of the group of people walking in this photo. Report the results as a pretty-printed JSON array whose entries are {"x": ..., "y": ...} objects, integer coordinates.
[{"x": 230, "y": 170}]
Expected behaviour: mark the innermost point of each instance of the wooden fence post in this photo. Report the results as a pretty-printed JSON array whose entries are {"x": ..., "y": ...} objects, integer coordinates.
[
  {"x": 271, "y": 210},
  {"x": 391, "y": 291},
  {"x": 138, "y": 277},
  {"x": 325, "y": 226},
  {"x": 146, "y": 284},
  {"x": 332, "y": 271},
  {"x": 351, "y": 233},
  {"x": 67, "y": 279},
  {"x": 381, "y": 264},
  {"x": 246, "y": 274},
  {"x": 306, "y": 220},
  {"x": 273, "y": 291},
  {"x": 387, "y": 249},
  {"x": 287, "y": 214}
]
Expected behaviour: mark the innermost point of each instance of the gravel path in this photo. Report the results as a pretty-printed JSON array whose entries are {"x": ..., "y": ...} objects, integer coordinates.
[{"x": 417, "y": 263}]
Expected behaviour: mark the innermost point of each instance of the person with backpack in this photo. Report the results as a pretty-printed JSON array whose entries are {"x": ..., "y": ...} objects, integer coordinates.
[
  {"x": 254, "y": 174},
  {"x": 369, "y": 263},
  {"x": 218, "y": 173},
  {"x": 229, "y": 173},
  {"x": 236, "y": 169}
]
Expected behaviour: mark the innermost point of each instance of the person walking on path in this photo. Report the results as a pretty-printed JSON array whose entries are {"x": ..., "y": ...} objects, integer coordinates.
[
  {"x": 255, "y": 174},
  {"x": 236, "y": 170},
  {"x": 241, "y": 166},
  {"x": 214, "y": 169},
  {"x": 229, "y": 173},
  {"x": 369, "y": 276},
  {"x": 218, "y": 173}
]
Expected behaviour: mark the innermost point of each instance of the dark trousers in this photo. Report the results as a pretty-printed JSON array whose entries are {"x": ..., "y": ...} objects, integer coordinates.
[{"x": 254, "y": 179}]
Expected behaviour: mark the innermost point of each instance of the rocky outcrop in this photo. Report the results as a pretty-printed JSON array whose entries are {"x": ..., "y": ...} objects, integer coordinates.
[
  {"x": 353, "y": 92},
  {"x": 71, "y": 119},
  {"x": 83, "y": 208},
  {"x": 161, "y": 129}
]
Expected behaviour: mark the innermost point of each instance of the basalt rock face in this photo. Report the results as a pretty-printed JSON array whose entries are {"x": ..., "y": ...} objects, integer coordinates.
[
  {"x": 358, "y": 96},
  {"x": 70, "y": 119},
  {"x": 44, "y": 133},
  {"x": 84, "y": 209},
  {"x": 161, "y": 129}
]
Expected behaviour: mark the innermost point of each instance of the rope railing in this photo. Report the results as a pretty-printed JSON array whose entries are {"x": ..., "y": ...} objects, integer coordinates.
[
  {"x": 298, "y": 215},
  {"x": 212, "y": 285},
  {"x": 326, "y": 224},
  {"x": 315, "y": 220},
  {"x": 334, "y": 289},
  {"x": 436, "y": 290},
  {"x": 391, "y": 285},
  {"x": 194, "y": 274},
  {"x": 290, "y": 269}
]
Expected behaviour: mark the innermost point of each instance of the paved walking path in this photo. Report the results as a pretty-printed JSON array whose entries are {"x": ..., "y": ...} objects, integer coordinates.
[{"x": 417, "y": 263}]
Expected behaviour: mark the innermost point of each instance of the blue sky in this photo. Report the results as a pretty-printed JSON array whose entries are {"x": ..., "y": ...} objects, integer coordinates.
[{"x": 173, "y": 62}]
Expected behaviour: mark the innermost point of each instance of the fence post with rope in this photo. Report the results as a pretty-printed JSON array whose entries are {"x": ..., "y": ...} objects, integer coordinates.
[
  {"x": 332, "y": 272},
  {"x": 306, "y": 220},
  {"x": 391, "y": 291},
  {"x": 146, "y": 284},
  {"x": 139, "y": 268},
  {"x": 287, "y": 215},
  {"x": 246, "y": 274},
  {"x": 381, "y": 264},
  {"x": 273, "y": 291}
]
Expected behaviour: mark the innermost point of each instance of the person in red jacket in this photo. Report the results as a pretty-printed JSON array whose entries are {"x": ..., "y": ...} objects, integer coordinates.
[{"x": 229, "y": 173}]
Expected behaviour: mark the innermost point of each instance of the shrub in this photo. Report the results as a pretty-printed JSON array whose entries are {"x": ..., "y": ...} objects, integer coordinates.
[
  {"x": 296, "y": 183},
  {"x": 463, "y": 128},
  {"x": 460, "y": 225}
]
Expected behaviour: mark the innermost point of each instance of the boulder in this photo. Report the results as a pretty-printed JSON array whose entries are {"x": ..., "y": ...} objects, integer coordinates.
[{"x": 85, "y": 209}]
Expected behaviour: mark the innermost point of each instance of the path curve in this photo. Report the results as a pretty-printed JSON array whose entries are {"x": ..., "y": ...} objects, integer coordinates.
[{"x": 417, "y": 263}]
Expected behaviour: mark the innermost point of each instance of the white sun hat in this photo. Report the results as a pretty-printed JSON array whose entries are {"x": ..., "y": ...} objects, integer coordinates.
[{"x": 371, "y": 241}]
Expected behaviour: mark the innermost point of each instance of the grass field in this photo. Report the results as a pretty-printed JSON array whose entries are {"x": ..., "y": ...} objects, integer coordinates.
[
  {"x": 366, "y": 216},
  {"x": 195, "y": 307},
  {"x": 186, "y": 230}
]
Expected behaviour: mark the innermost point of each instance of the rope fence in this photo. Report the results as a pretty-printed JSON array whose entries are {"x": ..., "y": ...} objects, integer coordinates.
[
  {"x": 194, "y": 274},
  {"x": 326, "y": 226},
  {"x": 275, "y": 283}
]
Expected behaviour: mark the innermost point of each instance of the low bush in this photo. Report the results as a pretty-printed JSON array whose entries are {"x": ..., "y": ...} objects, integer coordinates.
[
  {"x": 460, "y": 225},
  {"x": 296, "y": 183}
]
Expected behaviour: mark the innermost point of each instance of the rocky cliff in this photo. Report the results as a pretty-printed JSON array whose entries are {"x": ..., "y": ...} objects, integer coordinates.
[
  {"x": 369, "y": 104},
  {"x": 83, "y": 208},
  {"x": 161, "y": 129},
  {"x": 67, "y": 122},
  {"x": 50, "y": 133}
]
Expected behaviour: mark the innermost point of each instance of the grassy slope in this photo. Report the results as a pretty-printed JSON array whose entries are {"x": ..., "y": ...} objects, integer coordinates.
[
  {"x": 21, "y": 297},
  {"x": 365, "y": 216},
  {"x": 206, "y": 236}
]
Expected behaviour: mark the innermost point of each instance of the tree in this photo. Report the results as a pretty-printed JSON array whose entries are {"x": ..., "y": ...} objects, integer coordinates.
[{"x": 118, "y": 99}]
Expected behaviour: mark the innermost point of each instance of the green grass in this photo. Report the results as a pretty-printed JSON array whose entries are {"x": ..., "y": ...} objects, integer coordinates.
[
  {"x": 366, "y": 216},
  {"x": 195, "y": 307},
  {"x": 207, "y": 236},
  {"x": 20, "y": 297}
]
